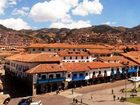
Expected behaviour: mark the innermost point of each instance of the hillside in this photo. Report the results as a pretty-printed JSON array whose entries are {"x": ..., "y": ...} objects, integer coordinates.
[{"x": 90, "y": 35}]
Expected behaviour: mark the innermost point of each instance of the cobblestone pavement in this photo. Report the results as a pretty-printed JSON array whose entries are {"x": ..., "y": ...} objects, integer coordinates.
[{"x": 101, "y": 95}]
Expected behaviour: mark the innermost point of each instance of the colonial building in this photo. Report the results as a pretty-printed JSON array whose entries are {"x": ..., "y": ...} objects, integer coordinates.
[
  {"x": 75, "y": 56},
  {"x": 51, "y": 67},
  {"x": 55, "y": 47}
]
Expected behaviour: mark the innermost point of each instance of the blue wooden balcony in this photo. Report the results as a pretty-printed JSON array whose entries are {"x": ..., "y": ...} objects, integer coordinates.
[
  {"x": 78, "y": 78},
  {"x": 50, "y": 80},
  {"x": 132, "y": 70}
]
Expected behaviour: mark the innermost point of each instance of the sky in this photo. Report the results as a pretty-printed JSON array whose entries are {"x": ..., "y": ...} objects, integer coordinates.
[{"x": 36, "y": 14}]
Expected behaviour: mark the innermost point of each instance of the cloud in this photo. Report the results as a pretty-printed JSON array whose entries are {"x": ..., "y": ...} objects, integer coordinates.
[
  {"x": 88, "y": 7},
  {"x": 16, "y": 24},
  {"x": 71, "y": 25},
  {"x": 109, "y": 23},
  {"x": 52, "y": 10},
  {"x": 22, "y": 11},
  {"x": 2, "y": 6},
  {"x": 12, "y": 2},
  {"x": 5, "y": 3}
]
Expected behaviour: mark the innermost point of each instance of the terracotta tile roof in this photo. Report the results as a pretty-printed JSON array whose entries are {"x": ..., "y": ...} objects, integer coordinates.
[
  {"x": 76, "y": 67},
  {"x": 100, "y": 51},
  {"x": 72, "y": 67},
  {"x": 5, "y": 54},
  {"x": 96, "y": 65},
  {"x": 65, "y": 45},
  {"x": 39, "y": 57},
  {"x": 82, "y": 66},
  {"x": 119, "y": 59},
  {"x": 46, "y": 68},
  {"x": 133, "y": 55},
  {"x": 72, "y": 53},
  {"x": 112, "y": 58}
]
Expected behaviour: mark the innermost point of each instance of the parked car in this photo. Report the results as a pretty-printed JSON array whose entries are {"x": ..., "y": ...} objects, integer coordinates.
[
  {"x": 25, "y": 101},
  {"x": 6, "y": 101},
  {"x": 36, "y": 103}
]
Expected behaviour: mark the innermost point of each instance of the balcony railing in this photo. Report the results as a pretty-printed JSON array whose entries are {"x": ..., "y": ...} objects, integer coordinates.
[
  {"x": 132, "y": 70},
  {"x": 41, "y": 81},
  {"x": 78, "y": 78}
]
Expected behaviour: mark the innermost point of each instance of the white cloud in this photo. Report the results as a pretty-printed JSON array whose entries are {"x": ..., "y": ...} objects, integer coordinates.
[
  {"x": 71, "y": 25},
  {"x": 88, "y": 7},
  {"x": 12, "y": 2},
  {"x": 23, "y": 11},
  {"x": 52, "y": 10},
  {"x": 109, "y": 23},
  {"x": 15, "y": 23},
  {"x": 2, "y": 6},
  {"x": 5, "y": 3}
]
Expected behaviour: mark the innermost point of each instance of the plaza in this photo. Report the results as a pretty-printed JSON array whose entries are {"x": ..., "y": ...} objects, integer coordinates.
[{"x": 101, "y": 95}]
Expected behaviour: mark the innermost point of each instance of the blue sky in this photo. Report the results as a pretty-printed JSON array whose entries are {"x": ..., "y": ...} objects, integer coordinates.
[{"x": 35, "y": 14}]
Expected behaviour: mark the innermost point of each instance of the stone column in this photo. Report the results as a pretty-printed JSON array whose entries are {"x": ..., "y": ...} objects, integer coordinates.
[
  {"x": 34, "y": 82},
  {"x": 66, "y": 85},
  {"x": 33, "y": 90}
]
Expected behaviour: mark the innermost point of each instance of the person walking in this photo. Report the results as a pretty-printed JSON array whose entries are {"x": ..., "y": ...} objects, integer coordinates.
[
  {"x": 91, "y": 97},
  {"x": 72, "y": 91},
  {"x": 114, "y": 97},
  {"x": 74, "y": 100},
  {"x": 112, "y": 91},
  {"x": 81, "y": 100}
]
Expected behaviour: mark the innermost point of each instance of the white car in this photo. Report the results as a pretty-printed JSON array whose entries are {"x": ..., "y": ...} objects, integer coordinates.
[
  {"x": 134, "y": 79},
  {"x": 36, "y": 103}
]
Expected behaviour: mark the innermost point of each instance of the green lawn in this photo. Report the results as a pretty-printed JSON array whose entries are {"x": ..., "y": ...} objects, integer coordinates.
[
  {"x": 129, "y": 90},
  {"x": 135, "y": 100}
]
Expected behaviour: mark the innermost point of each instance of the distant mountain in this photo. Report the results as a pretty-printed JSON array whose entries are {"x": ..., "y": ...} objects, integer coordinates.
[{"x": 90, "y": 35}]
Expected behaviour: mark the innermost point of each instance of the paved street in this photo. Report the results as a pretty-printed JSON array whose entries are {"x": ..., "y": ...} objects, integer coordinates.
[{"x": 101, "y": 95}]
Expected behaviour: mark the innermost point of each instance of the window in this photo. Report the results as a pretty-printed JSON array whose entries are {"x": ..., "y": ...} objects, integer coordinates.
[
  {"x": 33, "y": 49},
  {"x": 39, "y": 75},
  {"x": 58, "y": 75},
  {"x": 42, "y": 49},
  {"x": 43, "y": 77},
  {"x": 75, "y": 57},
  {"x": 105, "y": 71},
  {"x": 69, "y": 75},
  {"x": 82, "y": 57},
  {"x": 75, "y": 75},
  {"x": 99, "y": 72},
  {"x": 81, "y": 74},
  {"x": 94, "y": 73},
  {"x": 77, "y": 52},
  {"x": 51, "y": 76},
  {"x": 86, "y": 74},
  {"x": 49, "y": 49},
  {"x": 112, "y": 69},
  {"x": 64, "y": 58},
  {"x": 135, "y": 67},
  {"x": 70, "y": 57}
]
